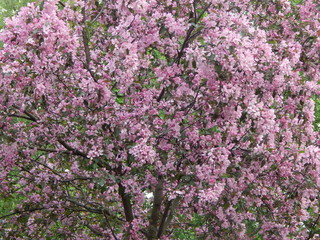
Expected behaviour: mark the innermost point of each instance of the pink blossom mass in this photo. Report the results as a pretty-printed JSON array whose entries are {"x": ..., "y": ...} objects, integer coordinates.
[{"x": 160, "y": 119}]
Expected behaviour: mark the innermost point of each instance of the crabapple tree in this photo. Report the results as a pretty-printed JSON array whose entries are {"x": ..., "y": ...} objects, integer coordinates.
[
  {"x": 137, "y": 119},
  {"x": 9, "y": 7}
]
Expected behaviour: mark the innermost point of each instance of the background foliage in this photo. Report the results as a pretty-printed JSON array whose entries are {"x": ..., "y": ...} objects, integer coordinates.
[{"x": 9, "y": 8}]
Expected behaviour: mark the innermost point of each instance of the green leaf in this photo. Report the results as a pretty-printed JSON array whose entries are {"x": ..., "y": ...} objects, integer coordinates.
[
  {"x": 194, "y": 64},
  {"x": 161, "y": 114},
  {"x": 41, "y": 5},
  {"x": 23, "y": 219},
  {"x": 272, "y": 42},
  {"x": 120, "y": 100}
]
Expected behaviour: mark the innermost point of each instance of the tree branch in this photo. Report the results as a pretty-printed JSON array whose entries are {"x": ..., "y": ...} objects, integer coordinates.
[
  {"x": 312, "y": 233},
  {"x": 100, "y": 12},
  {"x": 33, "y": 118},
  {"x": 21, "y": 212},
  {"x": 62, "y": 4},
  {"x": 161, "y": 94},
  {"x": 190, "y": 106},
  {"x": 87, "y": 208},
  {"x": 126, "y": 201},
  {"x": 188, "y": 36},
  {"x": 167, "y": 216},
  {"x": 93, "y": 230},
  {"x": 20, "y": 116},
  {"x": 155, "y": 212},
  {"x": 111, "y": 229},
  {"x": 85, "y": 40},
  {"x": 73, "y": 150},
  {"x": 186, "y": 41}
]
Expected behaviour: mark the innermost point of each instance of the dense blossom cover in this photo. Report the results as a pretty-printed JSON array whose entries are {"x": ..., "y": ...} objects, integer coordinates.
[{"x": 131, "y": 119}]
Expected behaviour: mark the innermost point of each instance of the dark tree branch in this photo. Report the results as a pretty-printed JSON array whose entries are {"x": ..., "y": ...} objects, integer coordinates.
[
  {"x": 161, "y": 94},
  {"x": 62, "y": 4},
  {"x": 22, "y": 211},
  {"x": 84, "y": 155},
  {"x": 96, "y": 232},
  {"x": 20, "y": 116},
  {"x": 312, "y": 233},
  {"x": 89, "y": 209},
  {"x": 155, "y": 212},
  {"x": 188, "y": 36},
  {"x": 47, "y": 150},
  {"x": 100, "y": 12},
  {"x": 186, "y": 41},
  {"x": 195, "y": 10},
  {"x": 190, "y": 106},
  {"x": 46, "y": 166},
  {"x": 85, "y": 40},
  {"x": 163, "y": 219},
  {"x": 33, "y": 118},
  {"x": 109, "y": 225},
  {"x": 73, "y": 150},
  {"x": 167, "y": 216},
  {"x": 126, "y": 201}
]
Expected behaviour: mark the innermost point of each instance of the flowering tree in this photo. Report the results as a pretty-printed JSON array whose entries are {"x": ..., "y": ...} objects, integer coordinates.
[
  {"x": 130, "y": 119},
  {"x": 9, "y": 7}
]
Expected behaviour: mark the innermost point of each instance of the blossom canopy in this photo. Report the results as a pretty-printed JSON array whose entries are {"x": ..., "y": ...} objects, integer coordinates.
[{"x": 151, "y": 119}]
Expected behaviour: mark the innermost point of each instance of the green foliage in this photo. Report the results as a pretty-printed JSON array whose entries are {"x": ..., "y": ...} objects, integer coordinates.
[
  {"x": 296, "y": 2},
  {"x": 316, "y": 122},
  {"x": 190, "y": 234},
  {"x": 209, "y": 131},
  {"x": 120, "y": 96},
  {"x": 7, "y": 204},
  {"x": 9, "y": 8},
  {"x": 252, "y": 228}
]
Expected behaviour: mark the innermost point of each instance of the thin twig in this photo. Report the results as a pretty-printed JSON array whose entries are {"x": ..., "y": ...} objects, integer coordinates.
[
  {"x": 100, "y": 12},
  {"x": 111, "y": 229},
  {"x": 20, "y": 116},
  {"x": 73, "y": 150},
  {"x": 185, "y": 44}
]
